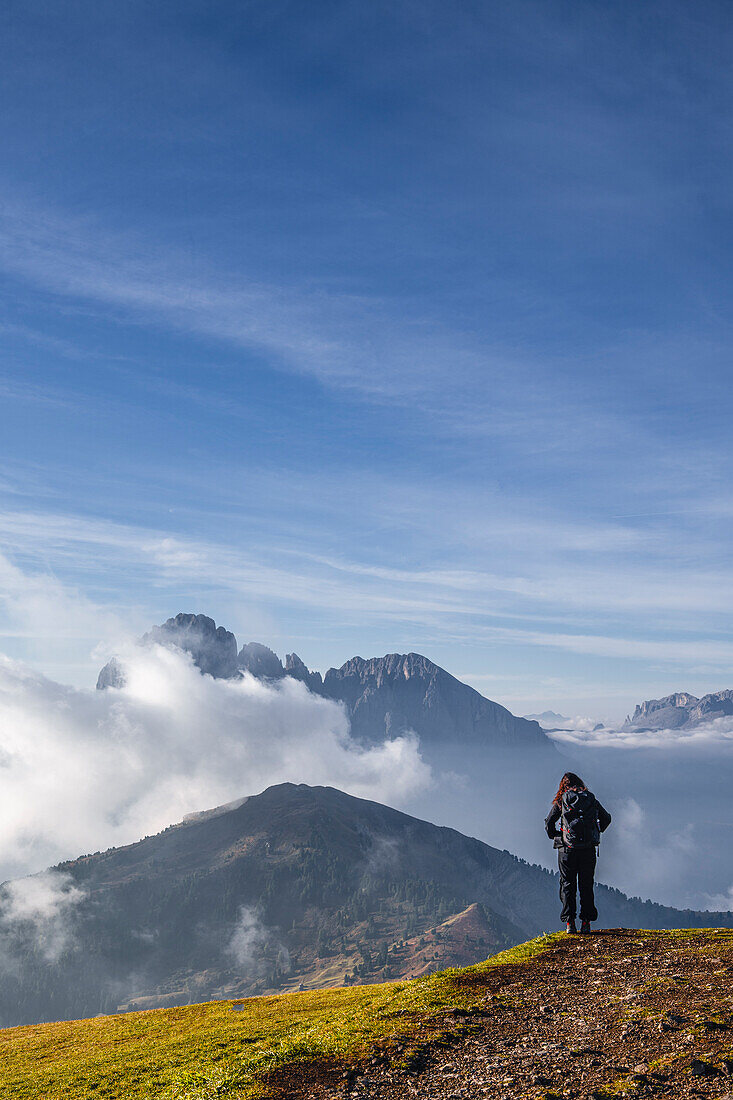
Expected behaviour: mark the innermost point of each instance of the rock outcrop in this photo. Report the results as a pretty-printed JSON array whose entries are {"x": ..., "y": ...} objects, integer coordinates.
[
  {"x": 214, "y": 649},
  {"x": 670, "y": 712},
  {"x": 299, "y": 671},
  {"x": 717, "y": 704},
  {"x": 111, "y": 676}
]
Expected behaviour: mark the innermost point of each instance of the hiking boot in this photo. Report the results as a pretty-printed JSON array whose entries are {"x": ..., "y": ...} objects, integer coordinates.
[
  {"x": 570, "y": 926},
  {"x": 585, "y": 928}
]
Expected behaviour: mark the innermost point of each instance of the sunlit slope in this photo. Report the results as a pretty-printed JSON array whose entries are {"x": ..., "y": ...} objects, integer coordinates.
[
  {"x": 621, "y": 1012},
  {"x": 213, "y": 1049}
]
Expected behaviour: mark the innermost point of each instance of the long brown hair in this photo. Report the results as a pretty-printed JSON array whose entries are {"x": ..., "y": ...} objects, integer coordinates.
[{"x": 570, "y": 779}]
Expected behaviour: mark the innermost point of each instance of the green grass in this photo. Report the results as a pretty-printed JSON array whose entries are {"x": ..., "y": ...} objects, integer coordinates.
[{"x": 208, "y": 1050}]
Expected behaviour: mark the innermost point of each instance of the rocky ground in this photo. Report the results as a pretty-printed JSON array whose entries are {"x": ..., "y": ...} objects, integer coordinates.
[{"x": 617, "y": 1013}]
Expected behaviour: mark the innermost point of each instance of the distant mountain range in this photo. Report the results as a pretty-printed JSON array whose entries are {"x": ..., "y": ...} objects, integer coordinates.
[
  {"x": 550, "y": 721},
  {"x": 383, "y": 696},
  {"x": 298, "y": 887},
  {"x": 680, "y": 710}
]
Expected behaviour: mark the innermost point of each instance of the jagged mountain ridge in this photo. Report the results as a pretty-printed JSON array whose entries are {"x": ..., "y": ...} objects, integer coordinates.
[
  {"x": 296, "y": 886},
  {"x": 407, "y": 691},
  {"x": 680, "y": 710},
  {"x": 383, "y": 696}
]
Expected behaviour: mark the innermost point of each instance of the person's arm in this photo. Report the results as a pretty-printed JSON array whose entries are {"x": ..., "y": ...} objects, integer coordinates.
[
  {"x": 604, "y": 817},
  {"x": 551, "y": 821}
]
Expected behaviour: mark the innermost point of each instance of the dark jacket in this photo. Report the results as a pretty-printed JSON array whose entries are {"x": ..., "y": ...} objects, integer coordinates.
[{"x": 553, "y": 819}]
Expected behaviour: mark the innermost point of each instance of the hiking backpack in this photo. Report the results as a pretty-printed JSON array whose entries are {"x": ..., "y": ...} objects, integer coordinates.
[{"x": 580, "y": 819}]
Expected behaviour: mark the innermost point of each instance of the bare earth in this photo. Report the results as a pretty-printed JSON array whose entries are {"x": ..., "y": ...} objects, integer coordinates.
[{"x": 620, "y": 1012}]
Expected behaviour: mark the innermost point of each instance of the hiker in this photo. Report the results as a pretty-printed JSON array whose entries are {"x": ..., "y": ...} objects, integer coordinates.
[{"x": 575, "y": 823}]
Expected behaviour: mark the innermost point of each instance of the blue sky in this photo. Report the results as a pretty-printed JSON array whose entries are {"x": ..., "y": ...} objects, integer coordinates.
[{"x": 372, "y": 327}]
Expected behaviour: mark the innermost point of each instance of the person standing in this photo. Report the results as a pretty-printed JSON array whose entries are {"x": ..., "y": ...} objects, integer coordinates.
[{"x": 575, "y": 823}]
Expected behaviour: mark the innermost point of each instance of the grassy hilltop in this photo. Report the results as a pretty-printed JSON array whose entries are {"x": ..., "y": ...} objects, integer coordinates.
[
  {"x": 619, "y": 1013},
  {"x": 232, "y": 1048}
]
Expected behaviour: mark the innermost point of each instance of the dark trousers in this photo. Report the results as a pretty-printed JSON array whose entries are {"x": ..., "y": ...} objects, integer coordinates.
[{"x": 577, "y": 867}]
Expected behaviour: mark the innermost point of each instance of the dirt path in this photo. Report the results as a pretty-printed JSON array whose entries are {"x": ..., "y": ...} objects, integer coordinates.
[{"x": 616, "y": 1013}]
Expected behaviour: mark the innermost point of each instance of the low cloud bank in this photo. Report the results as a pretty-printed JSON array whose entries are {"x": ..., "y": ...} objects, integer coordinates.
[
  {"x": 552, "y": 722},
  {"x": 86, "y": 770},
  {"x": 579, "y": 724},
  {"x": 716, "y": 732}
]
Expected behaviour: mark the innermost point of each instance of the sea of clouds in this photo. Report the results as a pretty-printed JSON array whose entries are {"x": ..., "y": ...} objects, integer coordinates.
[{"x": 718, "y": 731}]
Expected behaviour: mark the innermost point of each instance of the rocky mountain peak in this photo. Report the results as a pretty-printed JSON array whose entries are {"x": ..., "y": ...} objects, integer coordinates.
[
  {"x": 718, "y": 704},
  {"x": 383, "y": 696},
  {"x": 403, "y": 692},
  {"x": 111, "y": 676},
  {"x": 214, "y": 649},
  {"x": 678, "y": 699},
  {"x": 299, "y": 671},
  {"x": 681, "y": 710},
  {"x": 260, "y": 661},
  {"x": 389, "y": 667}
]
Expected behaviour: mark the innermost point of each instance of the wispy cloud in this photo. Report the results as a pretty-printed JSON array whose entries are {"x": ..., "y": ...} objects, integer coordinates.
[
  {"x": 384, "y": 349},
  {"x": 487, "y": 608},
  {"x": 36, "y": 604},
  {"x": 342, "y": 339}
]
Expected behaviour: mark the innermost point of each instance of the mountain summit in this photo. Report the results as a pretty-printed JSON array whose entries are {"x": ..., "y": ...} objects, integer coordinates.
[
  {"x": 383, "y": 696},
  {"x": 386, "y": 695}
]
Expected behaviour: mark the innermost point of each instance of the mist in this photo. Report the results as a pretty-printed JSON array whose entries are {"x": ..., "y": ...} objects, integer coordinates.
[
  {"x": 38, "y": 911},
  {"x": 82, "y": 770},
  {"x": 670, "y": 793}
]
